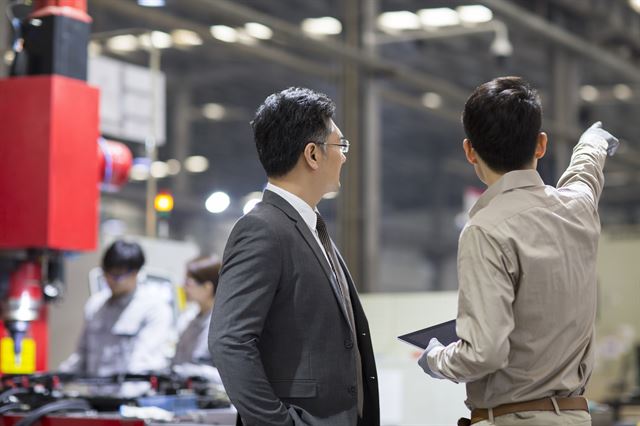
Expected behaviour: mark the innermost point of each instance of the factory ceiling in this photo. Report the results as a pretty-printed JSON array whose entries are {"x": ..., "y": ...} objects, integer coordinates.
[{"x": 419, "y": 62}]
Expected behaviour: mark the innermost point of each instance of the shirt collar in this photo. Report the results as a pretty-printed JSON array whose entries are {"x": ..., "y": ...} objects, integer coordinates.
[
  {"x": 308, "y": 214},
  {"x": 124, "y": 299},
  {"x": 508, "y": 181}
]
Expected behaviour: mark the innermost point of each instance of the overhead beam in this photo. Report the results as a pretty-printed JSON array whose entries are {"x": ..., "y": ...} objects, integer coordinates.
[
  {"x": 159, "y": 19},
  {"x": 531, "y": 21},
  {"x": 331, "y": 48}
]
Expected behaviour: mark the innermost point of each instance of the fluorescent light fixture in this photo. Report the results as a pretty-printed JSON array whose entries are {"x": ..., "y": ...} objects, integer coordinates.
[
  {"x": 589, "y": 93},
  {"x": 217, "y": 202},
  {"x": 214, "y": 111},
  {"x": 151, "y": 3},
  {"x": 159, "y": 169},
  {"x": 173, "y": 166},
  {"x": 326, "y": 25},
  {"x": 438, "y": 17},
  {"x": 186, "y": 38},
  {"x": 245, "y": 38},
  {"x": 161, "y": 40},
  {"x": 635, "y": 5},
  {"x": 156, "y": 39},
  {"x": 224, "y": 33},
  {"x": 259, "y": 31},
  {"x": 432, "y": 100},
  {"x": 622, "y": 92},
  {"x": 474, "y": 14},
  {"x": 123, "y": 43},
  {"x": 196, "y": 164},
  {"x": 398, "y": 21}
]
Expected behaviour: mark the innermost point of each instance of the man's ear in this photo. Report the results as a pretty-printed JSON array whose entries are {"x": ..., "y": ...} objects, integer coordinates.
[
  {"x": 472, "y": 158},
  {"x": 310, "y": 154},
  {"x": 541, "y": 145}
]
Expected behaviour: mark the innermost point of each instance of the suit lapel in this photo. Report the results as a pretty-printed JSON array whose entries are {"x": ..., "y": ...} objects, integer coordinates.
[{"x": 302, "y": 227}]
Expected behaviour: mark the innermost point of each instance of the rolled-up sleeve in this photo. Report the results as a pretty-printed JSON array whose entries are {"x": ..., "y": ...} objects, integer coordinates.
[{"x": 487, "y": 271}]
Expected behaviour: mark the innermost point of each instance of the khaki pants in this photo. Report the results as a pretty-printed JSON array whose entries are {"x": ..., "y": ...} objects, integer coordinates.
[{"x": 541, "y": 418}]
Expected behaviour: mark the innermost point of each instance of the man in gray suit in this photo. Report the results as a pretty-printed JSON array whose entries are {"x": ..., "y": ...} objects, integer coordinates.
[{"x": 288, "y": 333}]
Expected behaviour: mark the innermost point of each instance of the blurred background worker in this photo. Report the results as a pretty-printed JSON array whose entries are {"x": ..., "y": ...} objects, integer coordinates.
[
  {"x": 127, "y": 327},
  {"x": 200, "y": 288}
]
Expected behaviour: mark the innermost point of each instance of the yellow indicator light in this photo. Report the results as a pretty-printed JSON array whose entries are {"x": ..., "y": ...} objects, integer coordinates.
[{"x": 163, "y": 203}]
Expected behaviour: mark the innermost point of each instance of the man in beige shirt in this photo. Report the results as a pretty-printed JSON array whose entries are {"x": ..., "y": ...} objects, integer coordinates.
[{"x": 526, "y": 268}]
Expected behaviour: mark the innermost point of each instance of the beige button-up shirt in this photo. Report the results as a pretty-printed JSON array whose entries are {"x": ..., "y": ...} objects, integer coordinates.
[{"x": 527, "y": 286}]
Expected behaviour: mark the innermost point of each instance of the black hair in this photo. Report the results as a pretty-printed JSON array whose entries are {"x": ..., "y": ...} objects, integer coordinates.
[
  {"x": 286, "y": 122},
  {"x": 123, "y": 255},
  {"x": 502, "y": 120},
  {"x": 205, "y": 269}
]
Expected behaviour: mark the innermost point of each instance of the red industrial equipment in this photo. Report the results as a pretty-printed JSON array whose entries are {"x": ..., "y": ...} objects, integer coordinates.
[
  {"x": 114, "y": 163},
  {"x": 50, "y": 168}
]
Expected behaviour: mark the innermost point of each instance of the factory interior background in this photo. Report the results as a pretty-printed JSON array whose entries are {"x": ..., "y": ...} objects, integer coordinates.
[{"x": 180, "y": 81}]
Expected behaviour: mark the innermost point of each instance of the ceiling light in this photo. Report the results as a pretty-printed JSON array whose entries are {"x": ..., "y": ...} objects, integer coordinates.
[
  {"x": 438, "y": 17},
  {"x": 173, "y": 167},
  {"x": 398, "y": 21},
  {"x": 251, "y": 203},
  {"x": 322, "y": 26},
  {"x": 213, "y": 111},
  {"x": 622, "y": 92},
  {"x": 186, "y": 38},
  {"x": 156, "y": 39},
  {"x": 196, "y": 164},
  {"x": 251, "y": 200},
  {"x": 245, "y": 38},
  {"x": 123, "y": 43},
  {"x": 432, "y": 100},
  {"x": 474, "y": 14},
  {"x": 259, "y": 31},
  {"x": 501, "y": 45},
  {"x": 224, "y": 33},
  {"x": 217, "y": 202},
  {"x": 159, "y": 169},
  {"x": 635, "y": 5},
  {"x": 139, "y": 171},
  {"x": 151, "y": 3},
  {"x": 589, "y": 93}
]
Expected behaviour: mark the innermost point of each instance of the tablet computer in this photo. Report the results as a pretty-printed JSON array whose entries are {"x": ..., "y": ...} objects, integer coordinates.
[{"x": 444, "y": 332}]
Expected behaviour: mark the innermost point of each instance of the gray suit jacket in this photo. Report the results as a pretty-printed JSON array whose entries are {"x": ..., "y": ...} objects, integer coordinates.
[{"x": 278, "y": 334}]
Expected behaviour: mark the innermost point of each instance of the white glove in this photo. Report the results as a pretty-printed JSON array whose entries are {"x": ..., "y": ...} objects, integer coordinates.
[
  {"x": 595, "y": 133},
  {"x": 434, "y": 344}
]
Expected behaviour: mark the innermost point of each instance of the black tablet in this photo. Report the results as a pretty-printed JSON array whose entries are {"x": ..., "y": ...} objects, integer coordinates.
[{"x": 444, "y": 332}]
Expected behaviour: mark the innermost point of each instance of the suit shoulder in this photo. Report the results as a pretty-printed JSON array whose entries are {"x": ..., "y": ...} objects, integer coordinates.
[{"x": 262, "y": 216}]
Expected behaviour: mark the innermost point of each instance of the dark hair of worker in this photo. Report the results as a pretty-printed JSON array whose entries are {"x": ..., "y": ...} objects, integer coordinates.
[
  {"x": 123, "y": 255},
  {"x": 205, "y": 269},
  {"x": 502, "y": 120},
  {"x": 286, "y": 122}
]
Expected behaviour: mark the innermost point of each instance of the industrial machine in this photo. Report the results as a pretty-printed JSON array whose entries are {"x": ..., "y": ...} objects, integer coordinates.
[{"x": 51, "y": 165}]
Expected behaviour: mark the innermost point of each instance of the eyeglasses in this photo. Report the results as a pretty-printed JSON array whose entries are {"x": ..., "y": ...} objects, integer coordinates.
[{"x": 344, "y": 145}]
